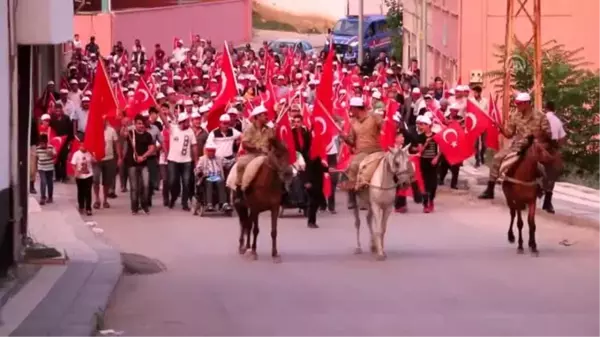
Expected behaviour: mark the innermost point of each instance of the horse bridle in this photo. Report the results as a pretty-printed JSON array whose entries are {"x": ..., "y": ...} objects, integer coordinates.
[{"x": 395, "y": 185}]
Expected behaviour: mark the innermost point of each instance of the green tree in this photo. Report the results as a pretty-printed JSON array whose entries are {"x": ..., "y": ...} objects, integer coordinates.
[
  {"x": 395, "y": 22},
  {"x": 573, "y": 88}
]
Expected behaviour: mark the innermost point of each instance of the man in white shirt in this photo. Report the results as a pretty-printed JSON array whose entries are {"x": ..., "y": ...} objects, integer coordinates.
[
  {"x": 225, "y": 138},
  {"x": 75, "y": 93},
  {"x": 480, "y": 147},
  {"x": 559, "y": 137},
  {"x": 80, "y": 118},
  {"x": 105, "y": 171},
  {"x": 68, "y": 106},
  {"x": 180, "y": 52},
  {"x": 183, "y": 152}
]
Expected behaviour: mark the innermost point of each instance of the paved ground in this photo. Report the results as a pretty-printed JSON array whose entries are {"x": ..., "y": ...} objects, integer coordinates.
[{"x": 448, "y": 273}]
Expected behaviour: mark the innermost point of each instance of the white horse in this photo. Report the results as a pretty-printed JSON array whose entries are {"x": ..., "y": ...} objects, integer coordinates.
[{"x": 393, "y": 170}]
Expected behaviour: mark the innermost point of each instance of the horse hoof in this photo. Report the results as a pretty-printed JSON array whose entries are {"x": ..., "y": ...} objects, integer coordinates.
[
  {"x": 382, "y": 257},
  {"x": 277, "y": 259},
  {"x": 520, "y": 250},
  {"x": 242, "y": 250},
  {"x": 511, "y": 239},
  {"x": 253, "y": 256},
  {"x": 373, "y": 249},
  {"x": 358, "y": 251},
  {"x": 535, "y": 253}
]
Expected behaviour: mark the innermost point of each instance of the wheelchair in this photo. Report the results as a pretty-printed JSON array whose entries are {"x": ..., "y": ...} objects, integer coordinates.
[
  {"x": 202, "y": 200},
  {"x": 295, "y": 198}
]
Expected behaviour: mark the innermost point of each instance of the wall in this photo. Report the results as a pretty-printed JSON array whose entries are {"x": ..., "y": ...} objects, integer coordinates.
[
  {"x": 330, "y": 9},
  {"x": 468, "y": 31},
  {"x": 150, "y": 24}
]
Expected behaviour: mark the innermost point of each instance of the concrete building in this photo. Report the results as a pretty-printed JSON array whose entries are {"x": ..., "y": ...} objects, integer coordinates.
[
  {"x": 462, "y": 34},
  {"x": 31, "y": 33}
]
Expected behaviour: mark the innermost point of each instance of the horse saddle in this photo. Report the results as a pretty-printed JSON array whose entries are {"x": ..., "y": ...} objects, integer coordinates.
[
  {"x": 511, "y": 159},
  {"x": 251, "y": 170},
  {"x": 367, "y": 168}
]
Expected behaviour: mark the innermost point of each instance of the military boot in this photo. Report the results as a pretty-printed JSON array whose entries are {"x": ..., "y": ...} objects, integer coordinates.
[
  {"x": 547, "y": 205},
  {"x": 489, "y": 191}
]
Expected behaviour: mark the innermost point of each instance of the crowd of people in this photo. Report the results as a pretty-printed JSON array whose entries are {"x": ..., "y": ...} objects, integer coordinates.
[{"x": 161, "y": 138}]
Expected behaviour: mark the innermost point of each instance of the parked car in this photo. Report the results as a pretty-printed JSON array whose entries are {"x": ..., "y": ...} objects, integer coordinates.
[
  {"x": 377, "y": 36},
  {"x": 294, "y": 44}
]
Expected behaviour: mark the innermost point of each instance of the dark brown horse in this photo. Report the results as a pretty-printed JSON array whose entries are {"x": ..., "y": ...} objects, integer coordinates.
[
  {"x": 521, "y": 190},
  {"x": 263, "y": 194}
]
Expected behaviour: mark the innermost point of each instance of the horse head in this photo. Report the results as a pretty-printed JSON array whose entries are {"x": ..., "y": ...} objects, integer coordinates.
[
  {"x": 278, "y": 160},
  {"x": 400, "y": 166},
  {"x": 536, "y": 149}
]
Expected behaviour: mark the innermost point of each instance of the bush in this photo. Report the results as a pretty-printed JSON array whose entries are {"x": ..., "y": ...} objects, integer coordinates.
[
  {"x": 259, "y": 22},
  {"x": 576, "y": 94}
]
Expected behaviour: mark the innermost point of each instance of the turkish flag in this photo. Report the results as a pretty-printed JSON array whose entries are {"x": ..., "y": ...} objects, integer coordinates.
[
  {"x": 142, "y": 100},
  {"x": 103, "y": 103},
  {"x": 388, "y": 131},
  {"x": 323, "y": 125},
  {"x": 268, "y": 100},
  {"x": 57, "y": 142},
  {"x": 75, "y": 145},
  {"x": 344, "y": 157},
  {"x": 492, "y": 140},
  {"x": 476, "y": 122},
  {"x": 453, "y": 143},
  {"x": 284, "y": 134},
  {"x": 227, "y": 92},
  {"x": 326, "y": 185}
]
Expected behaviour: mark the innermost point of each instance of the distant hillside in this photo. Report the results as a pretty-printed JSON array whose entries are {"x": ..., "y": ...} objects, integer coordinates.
[{"x": 267, "y": 17}]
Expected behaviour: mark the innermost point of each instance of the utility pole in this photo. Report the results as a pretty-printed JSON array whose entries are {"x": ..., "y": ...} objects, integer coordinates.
[
  {"x": 361, "y": 29},
  {"x": 508, "y": 66},
  {"x": 423, "y": 43},
  {"x": 537, "y": 64}
]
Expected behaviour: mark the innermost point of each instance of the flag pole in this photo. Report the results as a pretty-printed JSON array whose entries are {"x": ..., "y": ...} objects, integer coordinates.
[{"x": 231, "y": 65}]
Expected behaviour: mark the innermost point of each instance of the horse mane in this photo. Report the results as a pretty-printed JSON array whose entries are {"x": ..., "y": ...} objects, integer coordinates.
[{"x": 521, "y": 156}]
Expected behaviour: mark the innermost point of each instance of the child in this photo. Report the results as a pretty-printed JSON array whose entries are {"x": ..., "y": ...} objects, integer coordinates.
[
  {"x": 430, "y": 156},
  {"x": 82, "y": 165},
  {"x": 45, "y": 154}
]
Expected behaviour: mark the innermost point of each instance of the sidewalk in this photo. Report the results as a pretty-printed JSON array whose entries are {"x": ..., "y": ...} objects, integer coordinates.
[
  {"x": 574, "y": 204},
  {"x": 69, "y": 299}
]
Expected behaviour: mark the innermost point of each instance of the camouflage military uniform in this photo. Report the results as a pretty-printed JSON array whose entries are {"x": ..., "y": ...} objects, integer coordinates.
[
  {"x": 364, "y": 138},
  {"x": 519, "y": 128},
  {"x": 255, "y": 142}
]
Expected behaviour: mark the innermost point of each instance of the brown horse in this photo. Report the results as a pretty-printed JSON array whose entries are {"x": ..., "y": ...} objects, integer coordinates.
[
  {"x": 263, "y": 194},
  {"x": 521, "y": 190}
]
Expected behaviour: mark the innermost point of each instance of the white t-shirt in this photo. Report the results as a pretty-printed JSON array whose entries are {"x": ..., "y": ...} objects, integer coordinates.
[
  {"x": 224, "y": 144},
  {"x": 110, "y": 138},
  {"x": 556, "y": 126},
  {"x": 83, "y": 164},
  {"x": 180, "y": 145},
  {"x": 180, "y": 54}
]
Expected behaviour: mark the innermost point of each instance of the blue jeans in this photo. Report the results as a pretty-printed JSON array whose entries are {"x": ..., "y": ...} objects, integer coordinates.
[
  {"x": 46, "y": 182},
  {"x": 180, "y": 175}
]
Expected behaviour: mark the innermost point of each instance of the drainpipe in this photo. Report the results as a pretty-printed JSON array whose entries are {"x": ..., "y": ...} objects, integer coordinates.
[{"x": 106, "y": 6}]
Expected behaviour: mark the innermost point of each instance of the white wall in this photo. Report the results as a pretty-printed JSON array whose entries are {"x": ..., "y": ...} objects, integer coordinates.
[
  {"x": 5, "y": 91},
  {"x": 44, "y": 21}
]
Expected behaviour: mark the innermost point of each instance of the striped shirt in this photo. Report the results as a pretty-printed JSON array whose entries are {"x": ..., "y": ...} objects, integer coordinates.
[{"x": 45, "y": 158}]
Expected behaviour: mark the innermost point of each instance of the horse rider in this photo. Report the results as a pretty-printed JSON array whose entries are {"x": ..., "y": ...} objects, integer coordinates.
[
  {"x": 521, "y": 124},
  {"x": 363, "y": 138},
  {"x": 255, "y": 142}
]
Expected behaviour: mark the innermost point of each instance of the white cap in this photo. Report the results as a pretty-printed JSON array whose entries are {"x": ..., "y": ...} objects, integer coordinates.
[
  {"x": 282, "y": 101},
  {"x": 182, "y": 117},
  {"x": 176, "y": 78},
  {"x": 204, "y": 109},
  {"x": 463, "y": 87},
  {"x": 73, "y": 81},
  {"x": 85, "y": 99},
  {"x": 342, "y": 91},
  {"x": 298, "y": 76},
  {"x": 356, "y": 85},
  {"x": 45, "y": 117},
  {"x": 232, "y": 111},
  {"x": 280, "y": 77},
  {"x": 451, "y": 92},
  {"x": 88, "y": 93},
  {"x": 130, "y": 93},
  {"x": 171, "y": 91},
  {"x": 50, "y": 83},
  {"x": 64, "y": 91},
  {"x": 376, "y": 94},
  {"x": 424, "y": 119},
  {"x": 160, "y": 95},
  {"x": 210, "y": 145},
  {"x": 416, "y": 91},
  {"x": 145, "y": 113},
  {"x": 523, "y": 97},
  {"x": 428, "y": 96},
  {"x": 389, "y": 71},
  {"x": 357, "y": 102},
  {"x": 188, "y": 102},
  {"x": 378, "y": 112},
  {"x": 213, "y": 94},
  {"x": 83, "y": 80},
  {"x": 385, "y": 85},
  {"x": 164, "y": 79},
  {"x": 195, "y": 114},
  {"x": 454, "y": 106},
  {"x": 225, "y": 118},
  {"x": 258, "y": 110},
  {"x": 270, "y": 124}
]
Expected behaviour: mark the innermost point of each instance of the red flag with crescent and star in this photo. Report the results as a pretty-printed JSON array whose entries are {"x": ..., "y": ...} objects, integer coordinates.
[
  {"x": 453, "y": 143},
  {"x": 492, "y": 140},
  {"x": 227, "y": 92},
  {"x": 476, "y": 122},
  {"x": 284, "y": 134},
  {"x": 142, "y": 100}
]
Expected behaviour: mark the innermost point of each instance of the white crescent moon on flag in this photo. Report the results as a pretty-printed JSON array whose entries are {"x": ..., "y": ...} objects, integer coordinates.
[
  {"x": 473, "y": 119},
  {"x": 145, "y": 93},
  {"x": 59, "y": 140},
  {"x": 321, "y": 121},
  {"x": 446, "y": 132},
  {"x": 223, "y": 84},
  {"x": 283, "y": 132}
]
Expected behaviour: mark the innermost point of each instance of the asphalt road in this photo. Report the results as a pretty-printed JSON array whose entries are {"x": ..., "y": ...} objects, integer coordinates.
[{"x": 448, "y": 273}]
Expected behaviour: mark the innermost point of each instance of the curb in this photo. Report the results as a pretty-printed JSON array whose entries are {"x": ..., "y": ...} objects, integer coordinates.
[
  {"x": 75, "y": 304},
  {"x": 567, "y": 219}
]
